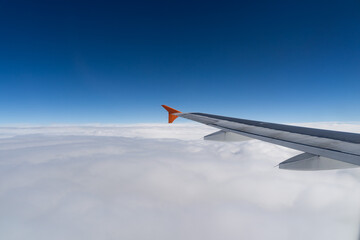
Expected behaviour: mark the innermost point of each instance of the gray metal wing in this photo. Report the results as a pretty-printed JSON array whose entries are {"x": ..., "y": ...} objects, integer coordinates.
[{"x": 324, "y": 149}]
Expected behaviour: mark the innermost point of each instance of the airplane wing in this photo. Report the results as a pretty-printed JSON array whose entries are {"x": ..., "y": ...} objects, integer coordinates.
[{"x": 322, "y": 149}]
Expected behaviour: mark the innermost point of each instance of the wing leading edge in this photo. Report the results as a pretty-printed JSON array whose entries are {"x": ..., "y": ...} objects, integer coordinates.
[{"x": 323, "y": 149}]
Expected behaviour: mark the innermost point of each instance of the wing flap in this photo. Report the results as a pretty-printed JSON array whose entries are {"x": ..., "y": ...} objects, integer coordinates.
[
  {"x": 224, "y": 136},
  {"x": 311, "y": 162}
]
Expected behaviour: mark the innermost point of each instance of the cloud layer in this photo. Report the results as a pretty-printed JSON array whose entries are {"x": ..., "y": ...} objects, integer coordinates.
[{"x": 155, "y": 181}]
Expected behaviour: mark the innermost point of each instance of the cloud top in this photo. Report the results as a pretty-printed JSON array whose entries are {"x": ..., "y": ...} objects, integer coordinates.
[{"x": 163, "y": 182}]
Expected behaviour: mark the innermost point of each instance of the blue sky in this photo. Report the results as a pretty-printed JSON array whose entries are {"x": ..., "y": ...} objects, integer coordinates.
[{"x": 107, "y": 62}]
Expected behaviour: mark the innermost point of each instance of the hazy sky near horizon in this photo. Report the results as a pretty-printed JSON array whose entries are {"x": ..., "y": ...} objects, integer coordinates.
[{"x": 118, "y": 61}]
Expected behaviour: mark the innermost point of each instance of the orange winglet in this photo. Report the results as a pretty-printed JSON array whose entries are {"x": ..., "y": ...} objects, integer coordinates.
[{"x": 171, "y": 111}]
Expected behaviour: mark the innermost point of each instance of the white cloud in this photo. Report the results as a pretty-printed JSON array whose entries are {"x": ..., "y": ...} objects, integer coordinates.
[{"x": 163, "y": 182}]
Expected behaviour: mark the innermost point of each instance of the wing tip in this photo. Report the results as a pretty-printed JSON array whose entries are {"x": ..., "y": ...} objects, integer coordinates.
[{"x": 171, "y": 111}]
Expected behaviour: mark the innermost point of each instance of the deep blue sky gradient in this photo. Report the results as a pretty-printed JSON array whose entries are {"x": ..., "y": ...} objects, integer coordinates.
[{"x": 117, "y": 62}]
